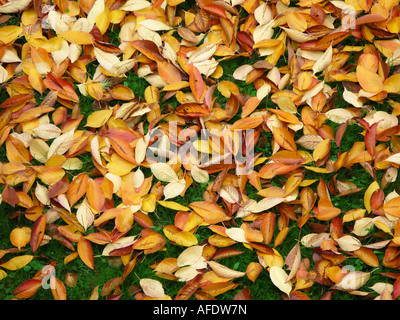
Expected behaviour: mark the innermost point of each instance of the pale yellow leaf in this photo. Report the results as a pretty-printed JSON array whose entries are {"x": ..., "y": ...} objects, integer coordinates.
[
  {"x": 14, "y": 6},
  {"x": 85, "y": 215},
  {"x": 224, "y": 271},
  {"x": 348, "y": 243},
  {"x": 190, "y": 256},
  {"x": 278, "y": 277},
  {"x": 174, "y": 188},
  {"x": 339, "y": 115},
  {"x": 42, "y": 194},
  {"x": 229, "y": 193},
  {"x": 314, "y": 240},
  {"x": 152, "y": 288},
  {"x": 324, "y": 61},
  {"x": 163, "y": 172},
  {"x": 237, "y": 234},
  {"x": 39, "y": 150},
  {"x": 199, "y": 175},
  {"x": 61, "y": 144}
]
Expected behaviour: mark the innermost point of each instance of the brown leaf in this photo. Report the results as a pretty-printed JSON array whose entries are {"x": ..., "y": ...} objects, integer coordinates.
[
  {"x": 267, "y": 227},
  {"x": 37, "y": 233}
]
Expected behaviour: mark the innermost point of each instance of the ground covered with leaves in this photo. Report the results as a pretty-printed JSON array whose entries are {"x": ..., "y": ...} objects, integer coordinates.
[{"x": 227, "y": 149}]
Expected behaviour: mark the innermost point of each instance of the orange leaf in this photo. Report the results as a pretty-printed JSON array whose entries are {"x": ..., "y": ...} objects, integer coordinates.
[
  {"x": 247, "y": 123},
  {"x": 124, "y": 220},
  {"x": 77, "y": 188},
  {"x": 326, "y": 211},
  {"x": 284, "y": 138},
  {"x": 191, "y": 110},
  {"x": 85, "y": 252},
  {"x": 123, "y": 149},
  {"x": 368, "y": 256},
  {"x": 250, "y": 105},
  {"x": 392, "y": 207},
  {"x": 149, "y": 49},
  {"x": 59, "y": 292},
  {"x": 369, "y": 81},
  {"x": 95, "y": 195},
  {"x": 196, "y": 82},
  {"x": 209, "y": 211},
  {"x": 168, "y": 72}
]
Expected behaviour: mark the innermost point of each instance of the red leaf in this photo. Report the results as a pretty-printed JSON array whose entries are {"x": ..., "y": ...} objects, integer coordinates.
[
  {"x": 340, "y": 132},
  {"x": 37, "y": 234},
  {"x": 245, "y": 41},
  {"x": 370, "y": 139},
  {"x": 215, "y": 10},
  {"x": 27, "y": 288},
  {"x": 396, "y": 288}
]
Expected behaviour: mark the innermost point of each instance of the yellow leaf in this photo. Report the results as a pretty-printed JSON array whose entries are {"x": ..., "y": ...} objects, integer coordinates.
[
  {"x": 296, "y": 21},
  {"x": 103, "y": 21},
  {"x": 173, "y": 205},
  {"x": 98, "y": 118},
  {"x": 368, "y": 193},
  {"x": 182, "y": 238},
  {"x": 3, "y": 274},
  {"x": 20, "y": 237},
  {"x": 9, "y": 34},
  {"x": 77, "y": 37},
  {"x": 392, "y": 84},
  {"x": 17, "y": 262},
  {"x": 322, "y": 149}
]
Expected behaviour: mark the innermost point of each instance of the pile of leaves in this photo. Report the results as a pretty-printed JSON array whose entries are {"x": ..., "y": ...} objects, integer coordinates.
[{"x": 259, "y": 126}]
